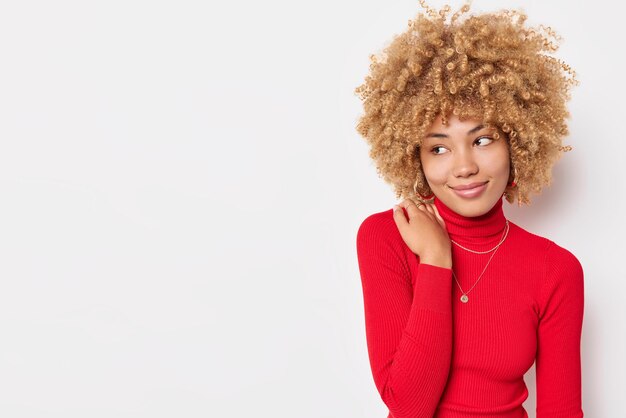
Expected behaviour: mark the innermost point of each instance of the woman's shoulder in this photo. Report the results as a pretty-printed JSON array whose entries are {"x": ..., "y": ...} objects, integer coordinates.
[
  {"x": 379, "y": 225},
  {"x": 382, "y": 217},
  {"x": 552, "y": 252},
  {"x": 378, "y": 240},
  {"x": 528, "y": 240}
]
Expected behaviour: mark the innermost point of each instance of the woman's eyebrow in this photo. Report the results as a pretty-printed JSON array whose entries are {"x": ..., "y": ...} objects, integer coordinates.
[{"x": 438, "y": 135}]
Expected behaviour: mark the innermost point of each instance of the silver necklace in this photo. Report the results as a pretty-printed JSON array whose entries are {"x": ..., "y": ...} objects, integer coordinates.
[{"x": 464, "y": 298}]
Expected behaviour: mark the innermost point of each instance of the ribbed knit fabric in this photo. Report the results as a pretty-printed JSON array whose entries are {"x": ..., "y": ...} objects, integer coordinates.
[{"x": 432, "y": 355}]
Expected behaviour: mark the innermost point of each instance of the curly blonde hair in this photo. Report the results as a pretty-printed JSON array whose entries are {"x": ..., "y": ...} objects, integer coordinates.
[{"x": 487, "y": 66}]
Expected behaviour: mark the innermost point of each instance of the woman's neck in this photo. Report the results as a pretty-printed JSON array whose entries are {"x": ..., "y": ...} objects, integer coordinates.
[{"x": 479, "y": 232}]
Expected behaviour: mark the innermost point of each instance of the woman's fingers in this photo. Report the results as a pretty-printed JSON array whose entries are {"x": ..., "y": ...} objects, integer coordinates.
[
  {"x": 429, "y": 208},
  {"x": 441, "y": 221},
  {"x": 399, "y": 217},
  {"x": 420, "y": 231},
  {"x": 410, "y": 206}
]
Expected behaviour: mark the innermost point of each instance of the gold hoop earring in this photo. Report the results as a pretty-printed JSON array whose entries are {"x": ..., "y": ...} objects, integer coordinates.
[{"x": 430, "y": 196}]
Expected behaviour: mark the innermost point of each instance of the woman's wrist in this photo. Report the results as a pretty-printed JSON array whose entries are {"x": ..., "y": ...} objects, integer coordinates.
[{"x": 439, "y": 260}]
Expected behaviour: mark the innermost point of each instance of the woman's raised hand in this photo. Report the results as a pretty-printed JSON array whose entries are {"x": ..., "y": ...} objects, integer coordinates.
[{"x": 424, "y": 232}]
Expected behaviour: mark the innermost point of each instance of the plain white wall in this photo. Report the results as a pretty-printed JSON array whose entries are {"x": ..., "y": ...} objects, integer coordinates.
[{"x": 181, "y": 187}]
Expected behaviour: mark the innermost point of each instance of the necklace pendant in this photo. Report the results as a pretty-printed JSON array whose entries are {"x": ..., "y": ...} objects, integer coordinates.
[{"x": 464, "y": 298}]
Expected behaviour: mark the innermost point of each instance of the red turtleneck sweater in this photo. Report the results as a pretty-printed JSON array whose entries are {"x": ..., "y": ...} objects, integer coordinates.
[{"x": 432, "y": 355}]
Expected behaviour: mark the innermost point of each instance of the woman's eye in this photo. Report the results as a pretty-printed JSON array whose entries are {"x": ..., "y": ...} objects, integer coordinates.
[
  {"x": 485, "y": 141},
  {"x": 485, "y": 137}
]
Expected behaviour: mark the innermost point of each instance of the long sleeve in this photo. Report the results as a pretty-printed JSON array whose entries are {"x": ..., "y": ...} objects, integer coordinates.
[
  {"x": 408, "y": 321},
  {"x": 558, "y": 362}
]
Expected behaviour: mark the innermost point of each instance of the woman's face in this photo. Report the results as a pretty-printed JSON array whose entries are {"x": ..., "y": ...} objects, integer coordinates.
[{"x": 464, "y": 153}]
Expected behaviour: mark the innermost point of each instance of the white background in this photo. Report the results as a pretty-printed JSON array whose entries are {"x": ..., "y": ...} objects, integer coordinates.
[{"x": 181, "y": 185}]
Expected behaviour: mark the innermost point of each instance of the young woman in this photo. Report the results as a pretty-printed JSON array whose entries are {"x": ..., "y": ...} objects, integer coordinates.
[{"x": 459, "y": 301}]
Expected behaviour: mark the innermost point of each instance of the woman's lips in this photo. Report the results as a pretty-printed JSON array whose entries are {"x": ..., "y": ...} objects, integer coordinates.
[{"x": 473, "y": 192}]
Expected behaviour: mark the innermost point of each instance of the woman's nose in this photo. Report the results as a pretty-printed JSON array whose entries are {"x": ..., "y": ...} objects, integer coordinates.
[{"x": 464, "y": 164}]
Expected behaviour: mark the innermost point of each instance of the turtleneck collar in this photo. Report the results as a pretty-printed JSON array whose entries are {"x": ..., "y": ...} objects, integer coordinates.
[{"x": 484, "y": 229}]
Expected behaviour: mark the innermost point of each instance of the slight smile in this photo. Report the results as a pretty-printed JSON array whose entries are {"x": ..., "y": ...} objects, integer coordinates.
[{"x": 470, "y": 190}]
